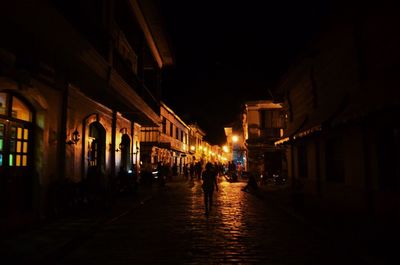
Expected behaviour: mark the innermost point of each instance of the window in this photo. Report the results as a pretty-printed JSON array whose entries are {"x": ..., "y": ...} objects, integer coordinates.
[
  {"x": 3, "y": 103},
  {"x": 164, "y": 125},
  {"x": 16, "y": 141},
  {"x": 20, "y": 110},
  {"x": 15, "y": 130},
  {"x": 272, "y": 119},
  {"x": 177, "y": 133},
  {"x": 18, "y": 153},
  {"x": 171, "y": 129}
]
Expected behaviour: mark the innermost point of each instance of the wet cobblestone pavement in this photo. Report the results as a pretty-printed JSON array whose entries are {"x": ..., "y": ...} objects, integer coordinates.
[{"x": 241, "y": 229}]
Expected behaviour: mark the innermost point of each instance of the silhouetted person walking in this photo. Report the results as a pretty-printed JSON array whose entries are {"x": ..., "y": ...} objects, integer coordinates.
[
  {"x": 191, "y": 171},
  {"x": 209, "y": 181},
  {"x": 198, "y": 170}
]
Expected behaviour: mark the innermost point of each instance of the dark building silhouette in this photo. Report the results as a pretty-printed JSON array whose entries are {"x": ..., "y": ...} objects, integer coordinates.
[{"x": 343, "y": 99}]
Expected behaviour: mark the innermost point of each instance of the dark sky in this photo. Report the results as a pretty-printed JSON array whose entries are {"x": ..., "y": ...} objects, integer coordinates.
[{"x": 228, "y": 52}]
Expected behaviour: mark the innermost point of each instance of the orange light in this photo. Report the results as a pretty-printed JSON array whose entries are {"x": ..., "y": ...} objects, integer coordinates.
[
  {"x": 235, "y": 138},
  {"x": 225, "y": 148}
]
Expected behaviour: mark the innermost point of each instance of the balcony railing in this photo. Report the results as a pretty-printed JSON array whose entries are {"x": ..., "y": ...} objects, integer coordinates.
[
  {"x": 149, "y": 135},
  {"x": 265, "y": 135},
  {"x": 124, "y": 69},
  {"x": 125, "y": 63}
]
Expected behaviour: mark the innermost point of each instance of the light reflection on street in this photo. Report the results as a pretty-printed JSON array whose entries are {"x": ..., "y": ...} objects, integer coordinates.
[{"x": 230, "y": 204}]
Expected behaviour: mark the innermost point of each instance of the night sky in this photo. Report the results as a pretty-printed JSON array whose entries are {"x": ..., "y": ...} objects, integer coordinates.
[{"x": 228, "y": 52}]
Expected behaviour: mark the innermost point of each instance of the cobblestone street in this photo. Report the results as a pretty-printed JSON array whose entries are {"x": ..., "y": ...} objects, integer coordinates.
[{"x": 172, "y": 228}]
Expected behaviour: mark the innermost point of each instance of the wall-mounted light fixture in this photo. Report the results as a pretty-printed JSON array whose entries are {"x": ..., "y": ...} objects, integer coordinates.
[
  {"x": 75, "y": 137},
  {"x": 121, "y": 146},
  {"x": 137, "y": 150}
]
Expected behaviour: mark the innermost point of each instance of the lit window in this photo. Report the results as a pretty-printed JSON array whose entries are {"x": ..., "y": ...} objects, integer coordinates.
[
  {"x": 20, "y": 110},
  {"x": 19, "y": 133},
  {"x": 14, "y": 145},
  {"x": 26, "y": 134},
  {"x": 3, "y": 103},
  {"x": 17, "y": 160}
]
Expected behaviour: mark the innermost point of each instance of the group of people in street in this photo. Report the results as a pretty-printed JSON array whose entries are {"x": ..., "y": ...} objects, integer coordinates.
[
  {"x": 210, "y": 183},
  {"x": 206, "y": 172}
]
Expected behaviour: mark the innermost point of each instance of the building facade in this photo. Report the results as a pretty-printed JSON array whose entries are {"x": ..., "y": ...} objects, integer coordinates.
[
  {"x": 196, "y": 142},
  {"x": 265, "y": 125},
  {"x": 168, "y": 143},
  {"x": 73, "y": 95},
  {"x": 236, "y": 146},
  {"x": 343, "y": 103}
]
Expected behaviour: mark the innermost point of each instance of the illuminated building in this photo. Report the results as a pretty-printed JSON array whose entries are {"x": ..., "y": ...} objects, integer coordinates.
[
  {"x": 236, "y": 145},
  {"x": 167, "y": 143},
  {"x": 265, "y": 125},
  {"x": 196, "y": 140},
  {"x": 74, "y": 92}
]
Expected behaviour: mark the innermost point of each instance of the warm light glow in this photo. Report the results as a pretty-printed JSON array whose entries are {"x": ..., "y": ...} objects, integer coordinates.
[
  {"x": 205, "y": 149},
  {"x": 235, "y": 138},
  {"x": 282, "y": 141},
  {"x": 229, "y": 214},
  {"x": 225, "y": 148},
  {"x": 201, "y": 147},
  {"x": 192, "y": 148}
]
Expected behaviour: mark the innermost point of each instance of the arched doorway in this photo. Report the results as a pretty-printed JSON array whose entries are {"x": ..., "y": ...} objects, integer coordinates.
[
  {"x": 16, "y": 163},
  {"x": 96, "y": 149},
  {"x": 125, "y": 154}
]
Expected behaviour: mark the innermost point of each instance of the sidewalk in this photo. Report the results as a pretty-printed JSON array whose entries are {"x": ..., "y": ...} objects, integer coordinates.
[
  {"x": 44, "y": 245},
  {"x": 372, "y": 242}
]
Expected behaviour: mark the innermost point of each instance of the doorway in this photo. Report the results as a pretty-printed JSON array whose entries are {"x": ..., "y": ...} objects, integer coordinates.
[{"x": 16, "y": 167}]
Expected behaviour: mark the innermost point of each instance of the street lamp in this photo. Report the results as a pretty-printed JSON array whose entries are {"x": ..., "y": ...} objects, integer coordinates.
[
  {"x": 225, "y": 148},
  {"x": 235, "y": 138}
]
